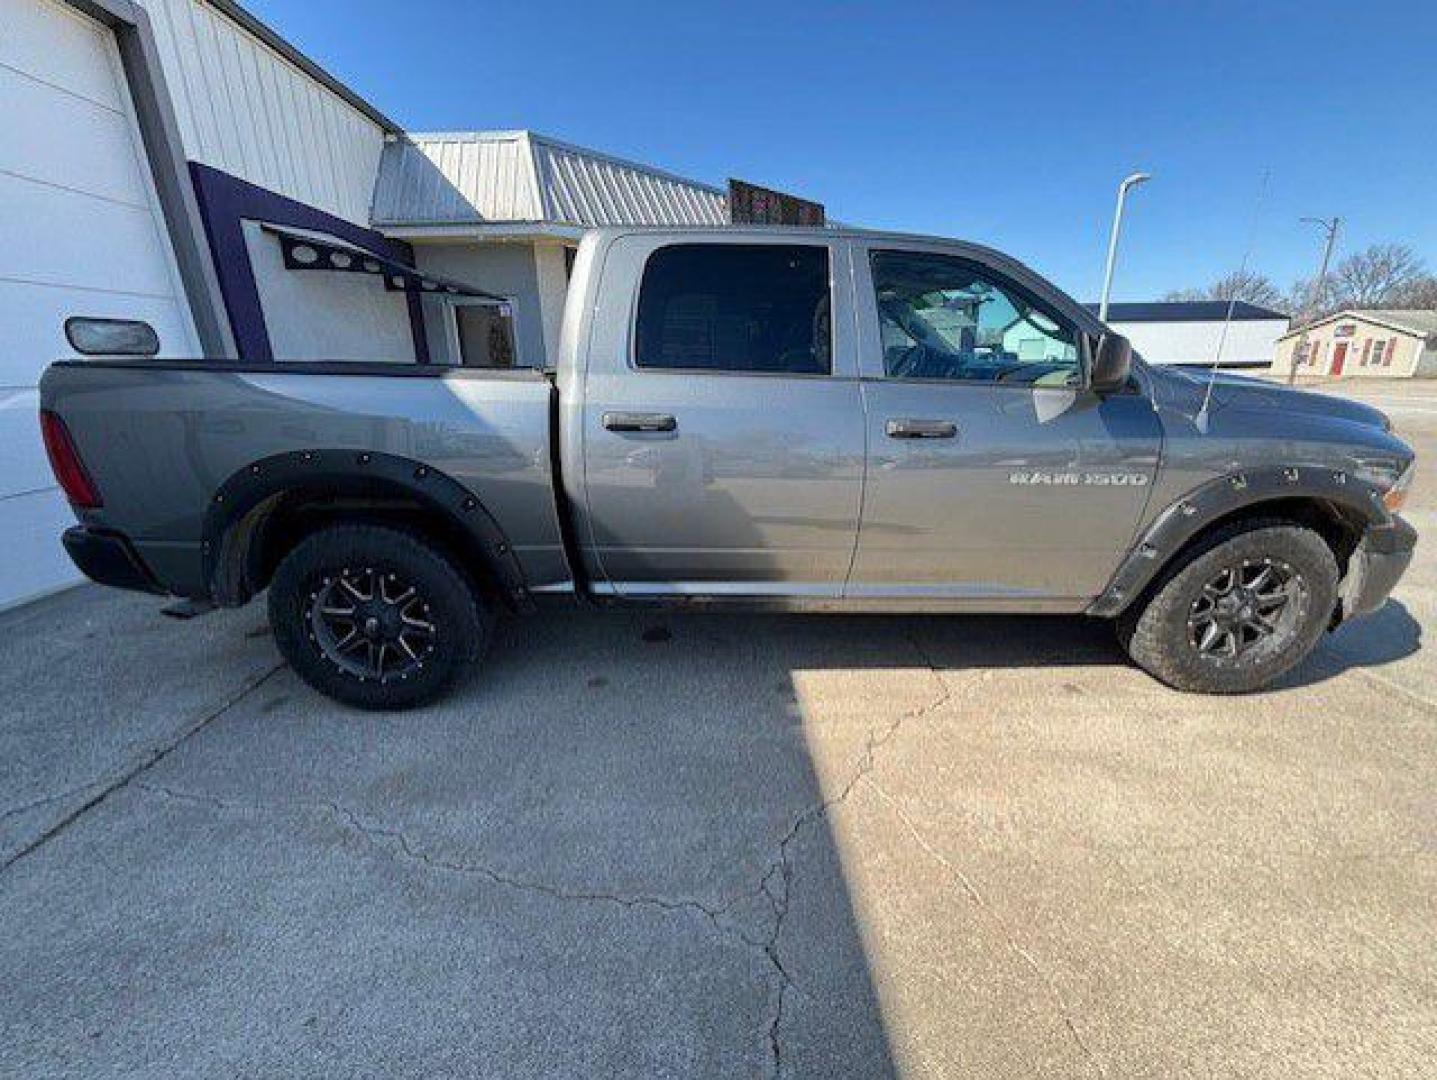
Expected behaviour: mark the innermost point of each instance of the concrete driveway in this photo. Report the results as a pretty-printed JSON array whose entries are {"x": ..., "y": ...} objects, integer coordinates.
[{"x": 719, "y": 846}]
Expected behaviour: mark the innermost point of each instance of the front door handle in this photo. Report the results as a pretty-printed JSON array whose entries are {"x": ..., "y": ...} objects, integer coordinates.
[
  {"x": 907, "y": 428},
  {"x": 639, "y": 421}
]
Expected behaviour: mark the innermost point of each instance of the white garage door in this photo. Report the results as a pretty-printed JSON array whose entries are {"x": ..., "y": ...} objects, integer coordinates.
[{"x": 80, "y": 234}]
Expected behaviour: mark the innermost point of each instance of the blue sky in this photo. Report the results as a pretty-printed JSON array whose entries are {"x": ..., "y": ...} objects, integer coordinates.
[{"x": 1004, "y": 122}]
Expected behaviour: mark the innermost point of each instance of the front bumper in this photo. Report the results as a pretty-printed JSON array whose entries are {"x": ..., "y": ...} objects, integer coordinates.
[
  {"x": 108, "y": 558},
  {"x": 1376, "y": 566}
]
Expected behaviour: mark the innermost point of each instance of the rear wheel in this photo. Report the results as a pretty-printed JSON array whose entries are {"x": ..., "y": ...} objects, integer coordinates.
[
  {"x": 376, "y": 617},
  {"x": 1245, "y": 608}
]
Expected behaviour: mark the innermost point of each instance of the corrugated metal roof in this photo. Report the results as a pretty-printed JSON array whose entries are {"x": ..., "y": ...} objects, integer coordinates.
[
  {"x": 509, "y": 177},
  {"x": 1186, "y": 311}
]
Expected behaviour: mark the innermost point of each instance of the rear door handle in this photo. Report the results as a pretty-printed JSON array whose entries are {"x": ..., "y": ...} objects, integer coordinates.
[
  {"x": 906, "y": 428},
  {"x": 639, "y": 421}
]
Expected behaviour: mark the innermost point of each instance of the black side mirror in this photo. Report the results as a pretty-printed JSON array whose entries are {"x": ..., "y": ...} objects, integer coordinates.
[{"x": 1112, "y": 363}]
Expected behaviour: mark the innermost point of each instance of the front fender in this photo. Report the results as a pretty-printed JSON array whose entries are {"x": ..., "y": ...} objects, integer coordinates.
[{"x": 1221, "y": 497}]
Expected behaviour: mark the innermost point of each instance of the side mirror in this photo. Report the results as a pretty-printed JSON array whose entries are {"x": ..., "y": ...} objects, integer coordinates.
[{"x": 1112, "y": 363}]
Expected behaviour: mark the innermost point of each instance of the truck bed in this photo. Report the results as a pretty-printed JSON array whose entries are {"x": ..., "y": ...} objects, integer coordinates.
[{"x": 165, "y": 440}]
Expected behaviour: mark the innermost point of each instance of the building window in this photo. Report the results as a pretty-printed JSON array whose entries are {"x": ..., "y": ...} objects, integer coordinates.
[
  {"x": 482, "y": 334},
  {"x": 1366, "y": 352},
  {"x": 1379, "y": 351}
]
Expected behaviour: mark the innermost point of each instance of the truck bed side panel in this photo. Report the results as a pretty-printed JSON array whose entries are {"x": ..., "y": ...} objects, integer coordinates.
[{"x": 160, "y": 440}]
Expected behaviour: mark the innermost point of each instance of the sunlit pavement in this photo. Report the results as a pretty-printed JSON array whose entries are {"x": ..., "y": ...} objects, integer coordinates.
[{"x": 659, "y": 845}]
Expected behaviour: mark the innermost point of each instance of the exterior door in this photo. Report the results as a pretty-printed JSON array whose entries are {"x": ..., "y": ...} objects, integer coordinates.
[
  {"x": 723, "y": 425},
  {"x": 82, "y": 235},
  {"x": 993, "y": 476},
  {"x": 1339, "y": 357}
]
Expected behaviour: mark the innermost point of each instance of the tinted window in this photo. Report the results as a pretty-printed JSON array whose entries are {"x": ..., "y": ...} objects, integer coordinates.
[
  {"x": 736, "y": 307},
  {"x": 947, "y": 318}
]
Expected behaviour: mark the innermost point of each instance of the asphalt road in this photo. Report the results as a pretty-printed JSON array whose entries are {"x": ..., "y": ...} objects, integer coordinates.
[{"x": 649, "y": 845}]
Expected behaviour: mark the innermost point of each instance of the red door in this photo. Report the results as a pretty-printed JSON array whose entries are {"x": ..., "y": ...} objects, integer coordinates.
[{"x": 1339, "y": 354}]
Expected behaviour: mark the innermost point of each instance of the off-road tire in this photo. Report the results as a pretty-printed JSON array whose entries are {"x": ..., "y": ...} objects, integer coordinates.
[
  {"x": 445, "y": 598},
  {"x": 1160, "y": 638}
]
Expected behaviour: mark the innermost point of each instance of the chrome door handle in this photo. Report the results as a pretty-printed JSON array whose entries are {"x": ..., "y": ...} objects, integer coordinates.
[
  {"x": 905, "y": 428},
  {"x": 639, "y": 421}
]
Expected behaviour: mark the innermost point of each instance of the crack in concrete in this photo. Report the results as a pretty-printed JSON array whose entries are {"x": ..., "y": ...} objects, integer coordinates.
[
  {"x": 1416, "y": 698},
  {"x": 966, "y": 883},
  {"x": 46, "y": 800},
  {"x": 397, "y": 844},
  {"x": 149, "y": 760},
  {"x": 782, "y": 865},
  {"x": 775, "y": 885}
]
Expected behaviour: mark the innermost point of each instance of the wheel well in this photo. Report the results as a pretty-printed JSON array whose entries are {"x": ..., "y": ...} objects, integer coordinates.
[
  {"x": 1337, "y": 525},
  {"x": 254, "y": 544}
]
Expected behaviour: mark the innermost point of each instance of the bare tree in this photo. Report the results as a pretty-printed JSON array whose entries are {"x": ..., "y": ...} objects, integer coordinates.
[
  {"x": 1377, "y": 276},
  {"x": 1247, "y": 285},
  {"x": 1420, "y": 293},
  {"x": 1307, "y": 306}
]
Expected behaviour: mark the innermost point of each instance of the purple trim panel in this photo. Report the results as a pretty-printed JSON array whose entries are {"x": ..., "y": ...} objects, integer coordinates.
[{"x": 225, "y": 202}]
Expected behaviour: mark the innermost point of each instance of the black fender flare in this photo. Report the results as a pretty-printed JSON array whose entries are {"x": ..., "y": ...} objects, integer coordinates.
[
  {"x": 1188, "y": 516},
  {"x": 225, "y": 543}
]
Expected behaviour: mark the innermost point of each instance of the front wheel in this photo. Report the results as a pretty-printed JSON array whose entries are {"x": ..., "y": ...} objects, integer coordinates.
[
  {"x": 376, "y": 617},
  {"x": 1245, "y": 608}
]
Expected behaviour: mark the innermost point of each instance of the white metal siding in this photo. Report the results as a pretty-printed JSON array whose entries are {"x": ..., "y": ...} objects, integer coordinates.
[
  {"x": 82, "y": 235},
  {"x": 457, "y": 180},
  {"x": 1248, "y": 341},
  {"x": 243, "y": 108}
]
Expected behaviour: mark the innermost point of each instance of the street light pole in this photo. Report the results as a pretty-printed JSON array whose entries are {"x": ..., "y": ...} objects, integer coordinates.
[
  {"x": 1131, "y": 182},
  {"x": 1314, "y": 295}
]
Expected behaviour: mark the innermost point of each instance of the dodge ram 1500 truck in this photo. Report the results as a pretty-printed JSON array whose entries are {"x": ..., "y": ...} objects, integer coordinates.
[{"x": 822, "y": 419}]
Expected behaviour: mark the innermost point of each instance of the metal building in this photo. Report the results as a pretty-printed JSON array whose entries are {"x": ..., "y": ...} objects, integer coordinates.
[{"x": 1199, "y": 332}]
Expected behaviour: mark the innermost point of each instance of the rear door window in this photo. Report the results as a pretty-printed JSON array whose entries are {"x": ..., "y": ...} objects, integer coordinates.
[{"x": 752, "y": 308}]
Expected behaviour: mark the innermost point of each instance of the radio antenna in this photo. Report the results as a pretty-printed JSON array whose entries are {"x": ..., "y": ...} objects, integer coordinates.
[{"x": 1201, "y": 418}]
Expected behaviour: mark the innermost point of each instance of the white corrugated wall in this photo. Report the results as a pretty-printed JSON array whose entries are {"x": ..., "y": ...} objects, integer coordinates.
[
  {"x": 1248, "y": 342},
  {"x": 243, "y": 108}
]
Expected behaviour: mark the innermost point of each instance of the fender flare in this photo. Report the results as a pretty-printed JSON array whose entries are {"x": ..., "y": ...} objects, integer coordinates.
[
  {"x": 1189, "y": 515},
  {"x": 224, "y": 544}
]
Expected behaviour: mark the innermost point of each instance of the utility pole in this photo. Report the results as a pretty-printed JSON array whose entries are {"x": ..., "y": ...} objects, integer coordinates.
[
  {"x": 1330, "y": 227},
  {"x": 1131, "y": 182}
]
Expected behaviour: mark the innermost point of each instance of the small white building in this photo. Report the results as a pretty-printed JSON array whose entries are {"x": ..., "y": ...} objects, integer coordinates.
[
  {"x": 1384, "y": 343},
  {"x": 1193, "y": 331}
]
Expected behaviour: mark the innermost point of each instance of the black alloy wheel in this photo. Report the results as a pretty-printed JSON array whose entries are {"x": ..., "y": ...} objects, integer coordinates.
[{"x": 377, "y": 617}]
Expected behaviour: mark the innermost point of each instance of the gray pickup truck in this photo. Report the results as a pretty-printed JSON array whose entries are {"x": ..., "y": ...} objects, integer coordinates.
[{"x": 828, "y": 420}]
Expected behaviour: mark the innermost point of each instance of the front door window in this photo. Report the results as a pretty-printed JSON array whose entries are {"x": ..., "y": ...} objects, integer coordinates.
[{"x": 946, "y": 318}]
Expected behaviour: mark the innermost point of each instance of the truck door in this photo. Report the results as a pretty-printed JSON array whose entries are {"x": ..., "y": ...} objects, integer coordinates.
[
  {"x": 992, "y": 475},
  {"x": 723, "y": 426}
]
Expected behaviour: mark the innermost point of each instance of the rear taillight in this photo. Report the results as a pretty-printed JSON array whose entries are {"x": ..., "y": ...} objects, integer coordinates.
[{"x": 65, "y": 462}]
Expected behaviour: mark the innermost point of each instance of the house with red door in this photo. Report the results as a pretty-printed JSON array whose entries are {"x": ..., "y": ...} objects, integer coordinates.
[{"x": 1383, "y": 343}]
